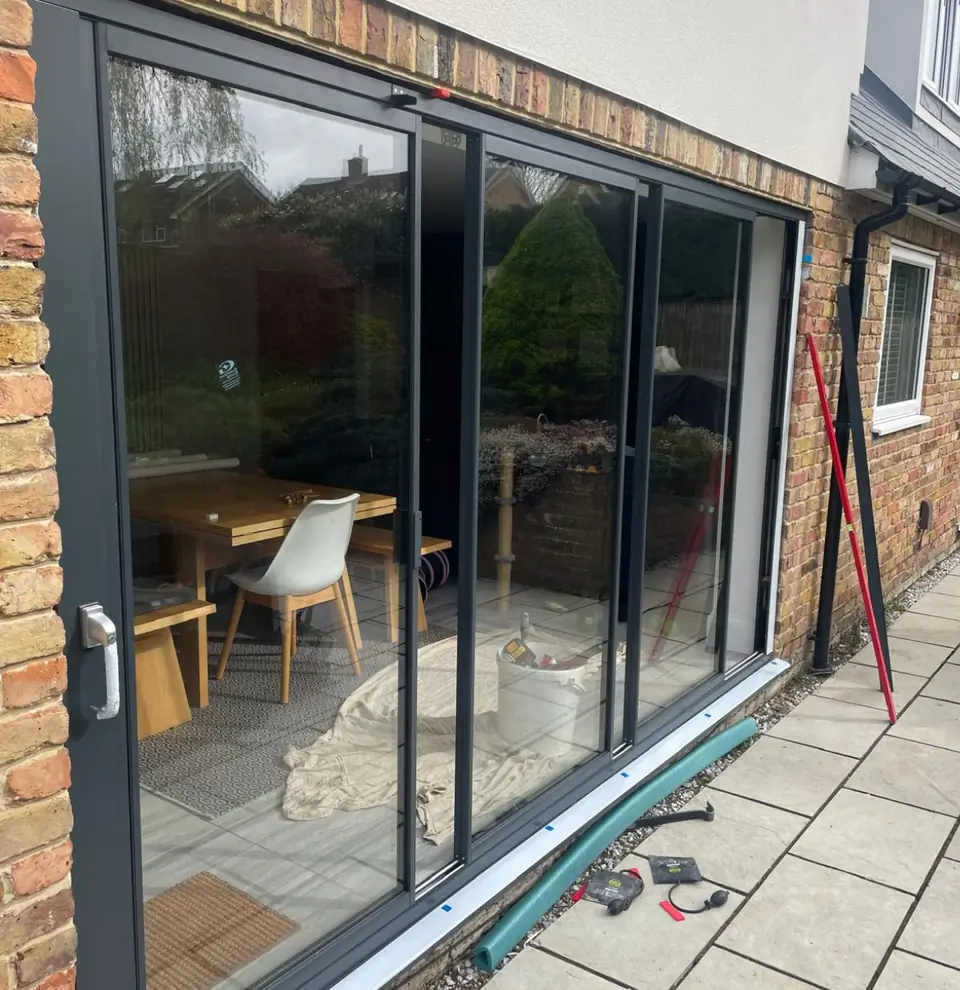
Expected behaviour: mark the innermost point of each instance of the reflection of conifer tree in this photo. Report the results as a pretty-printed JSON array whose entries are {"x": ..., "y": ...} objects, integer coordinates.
[
  {"x": 551, "y": 319},
  {"x": 167, "y": 120}
]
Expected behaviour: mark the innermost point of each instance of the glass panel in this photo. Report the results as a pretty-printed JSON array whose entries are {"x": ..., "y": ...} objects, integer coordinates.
[
  {"x": 902, "y": 333},
  {"x": 556, "y": 250},
  {"x": 443, "y": 164},
  {"x": 263, "y": 283},
  {"x": 696, "y": 393}
]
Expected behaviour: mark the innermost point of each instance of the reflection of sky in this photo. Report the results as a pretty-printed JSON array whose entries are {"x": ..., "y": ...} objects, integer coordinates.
[{"x": 296, "y": 144}]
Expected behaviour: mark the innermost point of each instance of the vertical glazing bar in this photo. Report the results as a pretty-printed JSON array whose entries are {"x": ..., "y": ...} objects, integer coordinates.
[
  {"x": 641, "y": 461},
  {"x": 469, "y": 487},
  {"x": 410, "y": 536},
  {"x": 738, "y": 320},
  {"x": 613, "y": 636}
]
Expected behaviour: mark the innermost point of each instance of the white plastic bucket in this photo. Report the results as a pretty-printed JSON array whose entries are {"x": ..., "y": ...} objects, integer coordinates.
[{"x": 537, "y": 706}]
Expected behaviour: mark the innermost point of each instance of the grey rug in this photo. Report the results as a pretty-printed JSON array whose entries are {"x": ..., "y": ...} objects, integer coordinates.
[{"x": 232, "y": 751}]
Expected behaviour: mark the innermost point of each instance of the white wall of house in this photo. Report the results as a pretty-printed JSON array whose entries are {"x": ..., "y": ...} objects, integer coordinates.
[{"x": 772, "y": 76}]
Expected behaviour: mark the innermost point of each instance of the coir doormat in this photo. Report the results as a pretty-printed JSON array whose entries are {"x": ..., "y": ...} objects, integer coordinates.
[{"x": 203, "y": 930}]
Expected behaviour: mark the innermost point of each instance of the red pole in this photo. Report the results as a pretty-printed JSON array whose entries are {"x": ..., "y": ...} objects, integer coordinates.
[{"x": 848, "y": 516}]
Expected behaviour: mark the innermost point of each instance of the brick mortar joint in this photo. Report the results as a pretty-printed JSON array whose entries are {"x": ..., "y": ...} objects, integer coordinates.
[
  {"x": 24, "y": 902},
  {"x": 67, "y": 926},
  {"x": 46, "y": 706}
]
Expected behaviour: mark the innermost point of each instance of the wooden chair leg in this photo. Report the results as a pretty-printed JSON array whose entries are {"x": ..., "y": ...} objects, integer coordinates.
[
  {"x": 421, "y": 611},
  {"x": 286, "y": 626},
  {"x": 351, "y": 609},
  {"x": 345, "y": 626},
  {"x": 231, "y": 634},
  {"x": 294, "y": 619},
  {"x": 392, "y": 579}
]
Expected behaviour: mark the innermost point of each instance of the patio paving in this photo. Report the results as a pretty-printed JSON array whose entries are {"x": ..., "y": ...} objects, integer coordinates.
[{"x": 836, "y": 833}]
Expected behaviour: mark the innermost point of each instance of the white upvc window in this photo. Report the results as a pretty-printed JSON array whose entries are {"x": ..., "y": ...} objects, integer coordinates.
[
  {"x": 941, "y": 58},
  {"x": 903, "y": 346}
]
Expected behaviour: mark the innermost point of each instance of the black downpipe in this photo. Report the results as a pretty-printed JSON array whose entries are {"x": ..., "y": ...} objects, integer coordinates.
[{"x": 831, "y": 540}]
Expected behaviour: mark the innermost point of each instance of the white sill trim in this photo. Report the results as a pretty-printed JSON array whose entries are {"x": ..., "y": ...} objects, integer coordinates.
[
  {"x": 884, "y": 427},
  {"x": 420, "y": 938}
]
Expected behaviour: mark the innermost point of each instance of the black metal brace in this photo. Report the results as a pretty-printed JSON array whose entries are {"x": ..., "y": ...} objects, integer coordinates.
[{"x": 707, "y": 815}]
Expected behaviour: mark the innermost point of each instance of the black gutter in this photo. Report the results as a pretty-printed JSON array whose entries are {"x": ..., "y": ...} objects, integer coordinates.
[{"x": 831, "y": 540}]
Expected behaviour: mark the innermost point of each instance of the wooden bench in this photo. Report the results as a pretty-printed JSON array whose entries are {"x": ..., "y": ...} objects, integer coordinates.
[
  {"x": 161, "y": 696},
  {"x": 380, "y": 543}
]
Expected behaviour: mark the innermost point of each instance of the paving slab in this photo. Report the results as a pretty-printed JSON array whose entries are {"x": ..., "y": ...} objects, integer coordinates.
[
  {"x": 856, "y": 684},
  {"x": 734, "y": 850},
  {"x": 722, "y": 970},
  {"x": 906, "y": 972},
  {"x": 834, "y": 725},
  {"x": 924, "y": 776},
  {"x": 936, "y": 603},
  {"x": 931, "y": 721},
  {"x": 643, "y": 948},
  {"x": 876, "y": 839},
  {"x": 907, "y": 657},
  {"x": 927, "y": 629},
  {"x": 945, "y": 684},
  {"x": 810, "y": 921},
  {"x": 932, "y": 931},
  {"x": 786, "y": 775},
  {"x": 535, "y": 970},
  {"x": 953, "y": 850},
  {"x": 950, "y": 585}
]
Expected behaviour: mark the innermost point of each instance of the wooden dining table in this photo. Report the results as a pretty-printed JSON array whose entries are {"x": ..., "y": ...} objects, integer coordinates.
[{"x": 213, "y": 515}]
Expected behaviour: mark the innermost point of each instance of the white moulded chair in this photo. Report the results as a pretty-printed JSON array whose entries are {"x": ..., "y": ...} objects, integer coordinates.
[{"x": 305, "y": 571}]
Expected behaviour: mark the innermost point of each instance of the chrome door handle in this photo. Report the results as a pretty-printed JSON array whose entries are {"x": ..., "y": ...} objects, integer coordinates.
[{"x": 97, "y": 629}]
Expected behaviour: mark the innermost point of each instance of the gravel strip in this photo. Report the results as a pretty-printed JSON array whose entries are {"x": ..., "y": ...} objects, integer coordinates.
[{"x": 463, "y": 975}]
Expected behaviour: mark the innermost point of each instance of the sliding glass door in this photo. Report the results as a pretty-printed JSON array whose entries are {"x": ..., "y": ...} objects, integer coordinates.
[
  {"x": 403, "y": 457},
  {"x": 697, "y": 387},
  {"x": 541, "y": 457}
]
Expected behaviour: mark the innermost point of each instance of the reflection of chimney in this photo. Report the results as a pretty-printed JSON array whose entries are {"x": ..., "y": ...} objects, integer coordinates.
[{"x": 357, "y": 166}]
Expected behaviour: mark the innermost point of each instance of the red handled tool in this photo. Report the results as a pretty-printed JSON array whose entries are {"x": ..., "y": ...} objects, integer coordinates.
[{"x": 848, "y": 516}]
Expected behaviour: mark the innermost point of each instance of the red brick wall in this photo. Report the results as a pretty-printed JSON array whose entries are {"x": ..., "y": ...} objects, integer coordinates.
[
  {"x": 37, "y": 938},
  {"x": 905, "y": 467}
]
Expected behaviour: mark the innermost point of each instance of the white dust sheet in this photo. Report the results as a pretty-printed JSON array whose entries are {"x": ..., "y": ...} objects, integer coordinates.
[{"x": 353, "y": 765}]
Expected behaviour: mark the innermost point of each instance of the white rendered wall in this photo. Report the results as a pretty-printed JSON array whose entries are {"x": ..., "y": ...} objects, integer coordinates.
[{"x": 771, "y": 76}]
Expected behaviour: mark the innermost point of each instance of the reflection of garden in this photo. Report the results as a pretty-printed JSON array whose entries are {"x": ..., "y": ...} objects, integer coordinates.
[
  {"x": 552, "y": 340},
  {"x": 308, "y": 296}
]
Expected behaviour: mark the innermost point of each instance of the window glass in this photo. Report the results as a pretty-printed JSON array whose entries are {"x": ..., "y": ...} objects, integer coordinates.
[
  {"x": 555, "y": 256},
  {"x": 903, "y": 333},
  {"x": 697, "y": 383},
  {"x": 263, "y": 285}
]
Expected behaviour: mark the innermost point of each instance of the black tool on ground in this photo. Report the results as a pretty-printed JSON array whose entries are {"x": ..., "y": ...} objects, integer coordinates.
[
  {"x": 674, "y": 869},
  {"x": 618, "y": 890},
  {"x": 717, "y": 899},
  {"x": 706, "y": 815}
]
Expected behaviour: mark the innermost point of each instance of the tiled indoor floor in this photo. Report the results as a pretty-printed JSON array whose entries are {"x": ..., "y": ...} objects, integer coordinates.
[
  {"x": 323, "y": 873},
  {"x": 836, "y": 833}
]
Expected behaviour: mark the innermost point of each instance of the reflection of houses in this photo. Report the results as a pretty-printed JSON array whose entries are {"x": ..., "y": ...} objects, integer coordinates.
[
  {"x": 357, "y": 175},
  {"x": 165, "y": 206},
  {"x": 244, "y": 261}
]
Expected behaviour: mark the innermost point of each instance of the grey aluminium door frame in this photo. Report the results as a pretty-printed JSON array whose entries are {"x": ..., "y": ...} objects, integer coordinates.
[
  {"x": 106, "y": 847},
  {"x": 86, "y": 365}
]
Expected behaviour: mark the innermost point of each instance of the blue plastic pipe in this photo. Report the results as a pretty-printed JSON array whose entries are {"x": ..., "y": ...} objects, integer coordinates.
[{"x": 511, "y": 928}]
